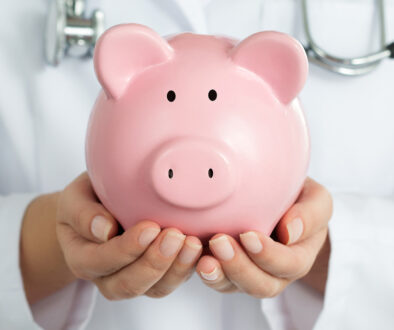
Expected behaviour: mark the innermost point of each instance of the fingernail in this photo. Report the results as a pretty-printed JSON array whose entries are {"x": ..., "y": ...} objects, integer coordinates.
[
  {"x": 171, "y": 243},
  {"x": 295, "y": 229},
  {"x": 100, "y": 228},
  {"x": 222, "y": 248},
  {"x": 212, "y": 276},
  {"x": 148, "y": 235},
  {"x": 189, "y": 252},
  {"x": 251, "y": 242}
]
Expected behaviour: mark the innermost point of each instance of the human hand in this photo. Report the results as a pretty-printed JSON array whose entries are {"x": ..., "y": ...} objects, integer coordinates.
[
  {"x": 143, "y": 260},
  {"x": 264, "y": 267}
]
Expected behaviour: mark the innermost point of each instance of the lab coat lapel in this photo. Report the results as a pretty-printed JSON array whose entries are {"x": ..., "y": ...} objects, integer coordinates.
[{"x": 194, "y": 14}]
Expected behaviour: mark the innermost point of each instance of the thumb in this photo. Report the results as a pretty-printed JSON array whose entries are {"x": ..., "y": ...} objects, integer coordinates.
[
  {"x": 308, "y": 215},
  {"x": 79, "y": 208}
]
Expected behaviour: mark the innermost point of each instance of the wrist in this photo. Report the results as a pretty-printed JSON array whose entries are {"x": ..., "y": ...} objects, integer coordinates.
[
  {"x": 317, "y": 276},
  {"x": 42, "y": 263}
]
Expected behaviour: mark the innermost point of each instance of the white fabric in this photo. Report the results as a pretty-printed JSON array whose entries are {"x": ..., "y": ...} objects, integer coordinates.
[
  {"x": 43, "y": 117},
  {"x": 69, "y": 308},
  {"x": 361, "y": 265},
  {"x": 14, "y": 311}
]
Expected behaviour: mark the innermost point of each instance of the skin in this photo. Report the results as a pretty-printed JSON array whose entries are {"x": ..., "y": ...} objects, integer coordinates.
[
  {"x": 58, "y": 246},
  {"x": 120, "y": 267}
]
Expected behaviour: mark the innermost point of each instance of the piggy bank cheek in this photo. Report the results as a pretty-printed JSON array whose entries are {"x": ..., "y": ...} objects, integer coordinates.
[
  {"x": 110, "y": 159},
  {"x": 274, "y": 161}
]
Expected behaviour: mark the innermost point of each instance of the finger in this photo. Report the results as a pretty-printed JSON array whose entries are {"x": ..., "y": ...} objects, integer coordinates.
[
  {"x": 79, "y": 208},
  {"x": 138, "y": 277},
  {"x": 291, "y": 262},
  {"x": 211, "y": 273},
  {"x": 180, "y": 270},
  {"x": 309, "y": 214},
  {"x": 242, "y": 271},
  {"x": 89, "y": 260}
]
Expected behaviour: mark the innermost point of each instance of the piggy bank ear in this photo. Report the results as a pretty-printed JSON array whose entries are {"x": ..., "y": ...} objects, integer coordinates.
[
  {"x": 277, "y": 58},
  {"x": 124, "y": 51}
]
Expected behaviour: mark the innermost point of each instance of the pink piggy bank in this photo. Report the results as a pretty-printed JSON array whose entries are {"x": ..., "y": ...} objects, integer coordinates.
[{"x": 198, "y": 132}]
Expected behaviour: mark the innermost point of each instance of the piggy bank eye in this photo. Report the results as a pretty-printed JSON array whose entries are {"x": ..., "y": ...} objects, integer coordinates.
[
  {"x": 212, "y": 95},
  {"x": 171, "y": 96}
]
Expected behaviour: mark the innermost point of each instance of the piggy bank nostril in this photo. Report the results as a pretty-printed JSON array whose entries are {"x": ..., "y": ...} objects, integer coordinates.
[{"x": 171, "y": 173}]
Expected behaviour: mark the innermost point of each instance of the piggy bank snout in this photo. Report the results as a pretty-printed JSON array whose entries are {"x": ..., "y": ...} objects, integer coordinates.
[{"x": 193, "y": 173}]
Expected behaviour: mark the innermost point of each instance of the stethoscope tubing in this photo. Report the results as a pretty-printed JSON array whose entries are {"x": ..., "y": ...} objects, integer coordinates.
[{"x": 347, "y": 66}]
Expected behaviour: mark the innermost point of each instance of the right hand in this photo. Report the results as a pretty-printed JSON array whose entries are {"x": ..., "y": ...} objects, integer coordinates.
[{"x": 143, "y": 260}]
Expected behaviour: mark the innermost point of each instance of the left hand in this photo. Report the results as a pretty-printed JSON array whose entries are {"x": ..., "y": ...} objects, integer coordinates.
[{"x": 264, "y": 267}]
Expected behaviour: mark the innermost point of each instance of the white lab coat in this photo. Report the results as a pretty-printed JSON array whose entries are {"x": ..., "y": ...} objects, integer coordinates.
[{"x": 43, "y": 117}]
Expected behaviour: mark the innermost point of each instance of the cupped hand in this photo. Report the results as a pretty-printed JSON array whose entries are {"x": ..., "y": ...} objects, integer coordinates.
[
  {"x": 261, "y": 266},
  {"x": 143, "y": 260}
]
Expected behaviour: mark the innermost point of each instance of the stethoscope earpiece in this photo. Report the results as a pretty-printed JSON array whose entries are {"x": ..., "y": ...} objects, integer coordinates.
[{"x": 69, "y": 32}]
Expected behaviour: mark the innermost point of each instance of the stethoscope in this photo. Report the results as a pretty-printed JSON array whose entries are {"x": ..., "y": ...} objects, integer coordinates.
[{"x": 70, "y": 33}]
